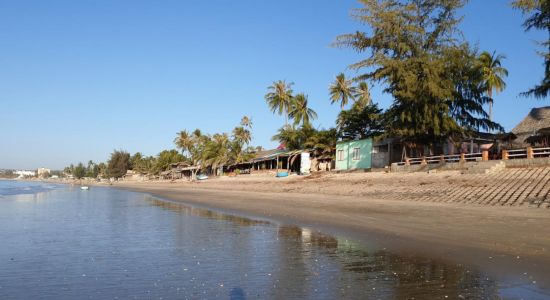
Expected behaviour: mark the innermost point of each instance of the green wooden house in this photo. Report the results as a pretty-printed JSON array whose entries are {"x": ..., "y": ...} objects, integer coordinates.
[{"x": 351, "y": 155}]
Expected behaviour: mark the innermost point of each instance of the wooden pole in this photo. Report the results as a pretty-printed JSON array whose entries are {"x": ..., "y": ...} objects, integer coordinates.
[
  {"x": 424, "y": 162},
  {"x": 530, "y": 153}
]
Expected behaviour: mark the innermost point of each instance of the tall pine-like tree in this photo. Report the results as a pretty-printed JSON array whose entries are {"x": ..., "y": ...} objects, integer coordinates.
[{"x": 413, "y": 48}]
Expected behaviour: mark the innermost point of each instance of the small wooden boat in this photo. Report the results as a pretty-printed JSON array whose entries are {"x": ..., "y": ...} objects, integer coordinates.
[
  {"x": 282, "y": 174},
  {"x": 84, "y": 188},
  {"x": 202, "y": 177}
]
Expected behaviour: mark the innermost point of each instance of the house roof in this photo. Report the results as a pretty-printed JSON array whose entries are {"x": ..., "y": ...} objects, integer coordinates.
[
  {"x": 179, "y": 165},
  {"x": 538, "y": 118},
  {"x": 267, "y": 155}
]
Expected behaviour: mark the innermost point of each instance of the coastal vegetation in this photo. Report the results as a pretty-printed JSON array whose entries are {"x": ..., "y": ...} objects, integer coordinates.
[
  {"x": 8, "y": 174},
  {"x": 433, "y": 76},
  {"x": 493, "y": 75},
  {"x": 538, "y": 17},
  {"x": 360, "y": 122},
  {"x": 79, "y": 171}
]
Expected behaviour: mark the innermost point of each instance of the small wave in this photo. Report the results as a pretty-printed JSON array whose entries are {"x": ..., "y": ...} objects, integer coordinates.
[{"x": 8, "y": 188}]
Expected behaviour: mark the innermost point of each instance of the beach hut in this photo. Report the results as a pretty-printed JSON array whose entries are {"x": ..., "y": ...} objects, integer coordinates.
[
  {"x": 533, "y": 129},
  {"x": 353, "y": 155}
]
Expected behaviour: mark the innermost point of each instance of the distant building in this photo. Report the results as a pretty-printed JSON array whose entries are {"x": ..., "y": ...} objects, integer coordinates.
[
  {"x": 353, "y": 155},
  {"x": 24, "y": 173},
  {"x": 43, "y": 172}
]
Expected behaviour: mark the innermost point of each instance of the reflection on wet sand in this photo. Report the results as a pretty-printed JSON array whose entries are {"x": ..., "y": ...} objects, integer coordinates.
[
  {"x": 204, "y": 213},
  {"x": 302, "y": 266},
  {"x": 384, "y": 273}
]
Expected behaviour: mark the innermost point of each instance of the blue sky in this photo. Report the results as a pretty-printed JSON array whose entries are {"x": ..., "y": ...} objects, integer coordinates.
[{"x": 81, "y": 78}]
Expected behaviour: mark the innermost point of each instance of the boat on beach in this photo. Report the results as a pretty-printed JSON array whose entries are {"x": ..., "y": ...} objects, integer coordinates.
[{"x": 202, "y": 177}]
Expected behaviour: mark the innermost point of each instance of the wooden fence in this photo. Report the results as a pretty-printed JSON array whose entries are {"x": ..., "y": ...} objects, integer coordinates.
[{"x": 528, "y": 152}]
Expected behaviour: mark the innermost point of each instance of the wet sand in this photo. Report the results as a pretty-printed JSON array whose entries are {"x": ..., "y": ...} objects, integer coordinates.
[
  {"x": 500, "y": 238},
  {"x": 501, "y": 230}
]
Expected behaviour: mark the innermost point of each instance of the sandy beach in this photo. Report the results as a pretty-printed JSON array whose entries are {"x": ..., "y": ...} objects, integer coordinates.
[{"x": 398, "y": 209}]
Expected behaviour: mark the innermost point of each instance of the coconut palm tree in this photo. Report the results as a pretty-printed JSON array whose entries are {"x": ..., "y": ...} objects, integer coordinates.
[
  {"x": 279, "y": 98},
  {"x": 183, "y": 141},
  {"x": 195, "y": 147},
  {"x": 362, "y": 95},
  {"x": 242, "y": 135},
  {"x": 216, "y": 151},
  {"x": 246, "y": 122},
  {"x": 300, "y": 112},
  {"x": 493, "y": 74},
  {"x": 341, "y": 90}
]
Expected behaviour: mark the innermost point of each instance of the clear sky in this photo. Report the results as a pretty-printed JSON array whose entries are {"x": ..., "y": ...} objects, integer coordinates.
[{"x": 81, "y": 78}]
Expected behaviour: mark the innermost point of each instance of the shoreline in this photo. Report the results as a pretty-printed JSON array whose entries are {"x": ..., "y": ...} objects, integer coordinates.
[
  {"x": 498, "y": 241},
  {"x": 418, "y": 206},
  {"x": 495, "y": 238},
  {"x": 446, "y": 230}
]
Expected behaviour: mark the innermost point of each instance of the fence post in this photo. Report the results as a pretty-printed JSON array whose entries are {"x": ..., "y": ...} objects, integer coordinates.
[
  {"x": 504, "y": 154},
  {"x": 530, "y": 153},
  {"x": 407, "y": 162},
  {"x": 424, "y": 162},
  {"x": 462, "y": 157},
  {"x": 485, "y": 155},
  {"x": 442, "y": 158}
]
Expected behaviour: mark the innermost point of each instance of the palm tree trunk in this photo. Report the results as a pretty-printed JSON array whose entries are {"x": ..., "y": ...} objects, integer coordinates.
[{"x": 490, "y": 105}]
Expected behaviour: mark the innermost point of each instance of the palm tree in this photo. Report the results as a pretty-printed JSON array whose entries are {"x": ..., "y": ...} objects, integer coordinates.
[
  {"x": 216, "y": 151},
  {"x": 294, "y": 137},
  {"x": 493, "y": 74},
  {"x": 195, "y": 147},
  {"x": 246, "y": 122},
  {"x": 341, "y": 90},
  {"x": 279, "y": 98},
  {"x": 183, "y": 141},
  {"x": 300, "y": 112},
  {"x": 362, "y": 94},
  {"x": 289, "y": 136},
  {"x": 242, "y": 135}
]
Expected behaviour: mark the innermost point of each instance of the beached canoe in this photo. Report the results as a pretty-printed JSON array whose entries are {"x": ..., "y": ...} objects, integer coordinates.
[
  {"x": 202, "y": 177},
  {"x": 282, "y": 174}
]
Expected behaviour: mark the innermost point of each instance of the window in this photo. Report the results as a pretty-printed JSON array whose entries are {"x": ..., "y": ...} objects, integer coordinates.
[
  {"x": 380, "y": 149},
  {"x": 356, "y": 154},
  {"x": 340, "y": 154}
]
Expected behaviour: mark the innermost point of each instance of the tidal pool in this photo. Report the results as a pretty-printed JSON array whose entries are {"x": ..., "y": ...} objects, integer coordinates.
[{"x": 64, "y": 243}]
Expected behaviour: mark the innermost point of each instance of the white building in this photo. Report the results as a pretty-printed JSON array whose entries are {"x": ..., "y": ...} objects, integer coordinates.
[
  {"x": 24, "y": 173},
  {"x": 43, "y": 171}
]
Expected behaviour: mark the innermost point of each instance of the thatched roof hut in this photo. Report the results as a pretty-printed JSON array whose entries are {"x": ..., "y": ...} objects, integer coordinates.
[{"x": 531, "y": 125}]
